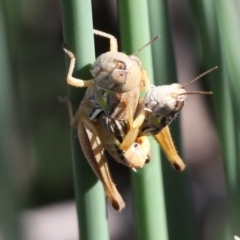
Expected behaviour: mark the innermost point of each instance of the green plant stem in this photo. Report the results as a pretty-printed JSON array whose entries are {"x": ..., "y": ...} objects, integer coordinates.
[
  {"x": 162, "y": 51},
  {"x": 90, "y": 200},
  {"x": 177, "y": 187},
  {"x": 10, "y": 152},
  {"x": 229, "y": 29},
  {"x": 218, "y": 32},
  {"x": 148, "y": 192}
]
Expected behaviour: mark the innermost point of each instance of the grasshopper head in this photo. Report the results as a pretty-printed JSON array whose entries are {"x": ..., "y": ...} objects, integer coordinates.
[
  {"x": 117, "y": 72},
  {"x": 162, "y": 105},
  {"x": 165, "y": 99}
]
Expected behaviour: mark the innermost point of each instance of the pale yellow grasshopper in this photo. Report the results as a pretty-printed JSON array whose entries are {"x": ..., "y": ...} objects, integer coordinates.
[
  {"x": 115, "y": 89},
  {"x": 111, "y": 117},
  {"x": 112, "y": 94},
  {"x": 161, "y": 105}
]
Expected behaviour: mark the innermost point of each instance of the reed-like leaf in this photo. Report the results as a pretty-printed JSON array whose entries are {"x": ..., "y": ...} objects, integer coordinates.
[
  {"x": 10, "y": 195},
  {"x": 148, "y": 194},
  {"x": 218, "y": 29},
  {"x": 229, "y": 29},
  {"x": 177, "y": 187},
  {"x": 90, "y": 199}
]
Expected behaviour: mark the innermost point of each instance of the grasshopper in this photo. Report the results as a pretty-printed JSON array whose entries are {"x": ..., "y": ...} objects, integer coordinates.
[
  {"x": 111, "y": 97},
  {"x": 162, "y": 104},
  {"x": 115, "y": 89},
  {"x": 111, "y": 116}
]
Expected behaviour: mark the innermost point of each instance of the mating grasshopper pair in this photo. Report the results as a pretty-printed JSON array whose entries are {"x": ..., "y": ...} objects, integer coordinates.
[{"x": 113, "y": 118}]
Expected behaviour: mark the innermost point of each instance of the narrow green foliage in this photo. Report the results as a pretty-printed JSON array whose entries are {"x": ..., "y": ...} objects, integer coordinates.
[
  {"x": 177, "y": 187},
  {"x": 218, "y": 28},
  {"x": 90, "y": 199},
  {"x": 148, "y": 192},
  {"x": 162, "y": 51},
  {"x": 229, "y": 31},
  {"x": 10, "y": 196}
]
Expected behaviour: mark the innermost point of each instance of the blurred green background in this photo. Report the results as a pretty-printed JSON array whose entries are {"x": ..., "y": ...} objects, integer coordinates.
[{"x": 35, "y": 160}]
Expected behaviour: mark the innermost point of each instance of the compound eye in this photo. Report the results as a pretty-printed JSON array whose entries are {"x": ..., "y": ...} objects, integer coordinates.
[
  {"x": 179, "y": 105},
  {"x": 119, "y": 76},
  {"x": 135, "y": 145},
  {"x": 120, "y": 64},
  {"x": 135, "y": 59},
  {"x": 95, "y": 70}
]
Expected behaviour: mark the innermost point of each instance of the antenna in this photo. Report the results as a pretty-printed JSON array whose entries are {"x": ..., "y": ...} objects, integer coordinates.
[
  {"x": 150, "y": 42},
  {"x": 201, "y": 75},
  {"x": 196, "y": 92}
]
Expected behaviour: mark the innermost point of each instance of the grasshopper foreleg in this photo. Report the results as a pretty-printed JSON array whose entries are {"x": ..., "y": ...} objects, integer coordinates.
[{"x": 72, "y": 80}]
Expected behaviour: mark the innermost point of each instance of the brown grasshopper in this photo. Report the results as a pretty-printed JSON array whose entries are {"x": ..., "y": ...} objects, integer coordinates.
[
  {"x": 112, "y": 117},
  {"x": 161, "y": 105},
  {"x": 115, "y": 89},
  {"x": 118, "y": 80}
]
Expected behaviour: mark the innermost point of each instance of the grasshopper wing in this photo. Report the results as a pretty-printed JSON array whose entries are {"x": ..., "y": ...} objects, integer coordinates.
[{"x": 93, "y": 150}]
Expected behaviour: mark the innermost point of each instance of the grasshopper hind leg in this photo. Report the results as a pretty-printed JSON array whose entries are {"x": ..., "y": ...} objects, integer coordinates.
[
  {"x": 164, "y": 139},
  {"x": 93, "y": 150}
]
